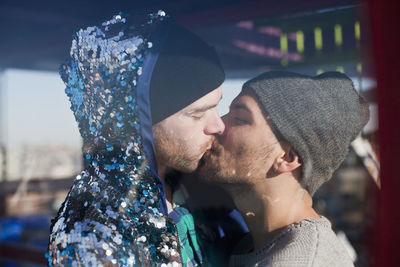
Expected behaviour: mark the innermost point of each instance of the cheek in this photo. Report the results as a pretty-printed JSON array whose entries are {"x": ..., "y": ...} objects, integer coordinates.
[
  {"x": 237, "y": 142},
  {"x": 193, "y": 133},
  {"x": 179, "y": 128},
  {"x": 190, "y": 134},
  {"x": 194, "y": 136}
]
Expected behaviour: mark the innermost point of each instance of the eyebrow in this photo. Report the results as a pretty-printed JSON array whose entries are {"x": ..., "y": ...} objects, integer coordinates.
[
  {"x": 204, "y": 108},
  {"x": 239, "y": 106}
]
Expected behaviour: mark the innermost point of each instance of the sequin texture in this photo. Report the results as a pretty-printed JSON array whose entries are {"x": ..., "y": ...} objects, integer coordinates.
[{"x": 111, "y": 215}]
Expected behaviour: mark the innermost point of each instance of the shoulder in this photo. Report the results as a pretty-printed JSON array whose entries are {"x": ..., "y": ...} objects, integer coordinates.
[
  {"x": 328, "y": 250},
  {"x": 310, "y": 242}
]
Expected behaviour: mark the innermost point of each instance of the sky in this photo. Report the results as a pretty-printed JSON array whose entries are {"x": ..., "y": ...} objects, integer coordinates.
[{"x": 35, "y": 110}]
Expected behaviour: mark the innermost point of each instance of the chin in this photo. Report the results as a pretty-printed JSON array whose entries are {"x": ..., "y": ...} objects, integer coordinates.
[
  {"x": 207, "y": 171},
  {"x": 188, "y": 167}
]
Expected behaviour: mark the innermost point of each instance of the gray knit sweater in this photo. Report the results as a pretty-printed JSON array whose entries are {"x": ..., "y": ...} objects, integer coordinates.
[{"x": 310, "y": 242}]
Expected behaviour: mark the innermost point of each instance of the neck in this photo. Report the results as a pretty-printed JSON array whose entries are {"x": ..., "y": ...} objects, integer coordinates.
[
  {"x": 162, "y": 170},
  {"x": 270, "y": 205}
]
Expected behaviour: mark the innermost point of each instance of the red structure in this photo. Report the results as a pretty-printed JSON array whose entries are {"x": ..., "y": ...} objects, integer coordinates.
[{"x": 386, "y": 43}]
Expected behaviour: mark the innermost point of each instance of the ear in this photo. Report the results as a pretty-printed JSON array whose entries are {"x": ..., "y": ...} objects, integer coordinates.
[{"x": 288, "y": 161}]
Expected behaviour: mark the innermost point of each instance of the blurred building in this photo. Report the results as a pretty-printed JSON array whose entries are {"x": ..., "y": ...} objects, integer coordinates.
[{"x": 308, "y": 37}]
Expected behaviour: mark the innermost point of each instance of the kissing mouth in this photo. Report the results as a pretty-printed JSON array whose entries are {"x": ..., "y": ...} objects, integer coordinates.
[
  {"x": 214, "y": 149},
  {"x": 204, "y": 159},
  {"x": 206, "y": 155},
  {"x": 209, "y": 146},
  {"x": 207, "y": 149}
]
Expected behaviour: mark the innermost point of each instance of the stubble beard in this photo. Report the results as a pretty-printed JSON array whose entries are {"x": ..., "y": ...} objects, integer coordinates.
[
  {"x": 219, "y": 166},
  {"x": 215, "y": 165},
  {"x": 173, "y": 153}
]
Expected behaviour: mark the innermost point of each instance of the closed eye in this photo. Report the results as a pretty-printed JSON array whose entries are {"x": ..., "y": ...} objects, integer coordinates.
[
  {"x": 197, "y": 116},
  {"x": 240, "y": 121}
]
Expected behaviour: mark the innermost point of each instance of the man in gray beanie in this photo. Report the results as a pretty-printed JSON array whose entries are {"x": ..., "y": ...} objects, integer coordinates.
[{"x": 285, "y": 135}]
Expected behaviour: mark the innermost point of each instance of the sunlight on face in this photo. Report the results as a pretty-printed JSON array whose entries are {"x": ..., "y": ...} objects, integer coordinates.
[
  {"x": 246, "y": 147},
  {"x": 181, "y": 139}
]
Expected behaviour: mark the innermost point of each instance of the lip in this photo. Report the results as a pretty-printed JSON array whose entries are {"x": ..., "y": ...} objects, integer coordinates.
[
  {"x": 208, "y": 151},
  {"x": 205, "y": 155},
  {"x": 208, "y": 148}
]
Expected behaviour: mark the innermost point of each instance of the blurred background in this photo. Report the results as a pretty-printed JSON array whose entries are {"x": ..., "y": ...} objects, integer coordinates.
[{"x": 40, "y": 147}]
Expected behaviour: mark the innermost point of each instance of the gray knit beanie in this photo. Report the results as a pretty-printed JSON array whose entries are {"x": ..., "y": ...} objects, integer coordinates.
[{"x": 318, "y": 116}]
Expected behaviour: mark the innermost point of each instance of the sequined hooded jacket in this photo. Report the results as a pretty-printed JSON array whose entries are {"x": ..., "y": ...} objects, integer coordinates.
[{"x": 115, "y": 212}]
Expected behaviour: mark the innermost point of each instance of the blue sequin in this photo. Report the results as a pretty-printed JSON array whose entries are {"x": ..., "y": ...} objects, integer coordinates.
[{"x": 111, "y": 215}]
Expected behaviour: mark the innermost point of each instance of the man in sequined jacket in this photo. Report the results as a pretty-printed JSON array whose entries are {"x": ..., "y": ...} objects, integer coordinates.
[{"x": 127, "y": 78}]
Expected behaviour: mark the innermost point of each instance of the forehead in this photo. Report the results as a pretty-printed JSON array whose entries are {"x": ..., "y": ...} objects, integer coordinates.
[
  {"x": 246, "y": 101},
  {"x": 209, "y": 100}
]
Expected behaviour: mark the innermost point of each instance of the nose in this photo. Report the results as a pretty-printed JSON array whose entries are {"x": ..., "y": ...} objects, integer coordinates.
[{"x": 215, "y": 126}]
